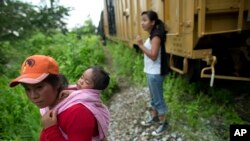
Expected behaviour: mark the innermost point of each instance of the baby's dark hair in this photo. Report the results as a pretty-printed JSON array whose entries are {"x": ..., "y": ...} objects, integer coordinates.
[{"x": 100, "y": 77}]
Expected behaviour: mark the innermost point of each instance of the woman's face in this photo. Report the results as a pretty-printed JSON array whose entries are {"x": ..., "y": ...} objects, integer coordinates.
[
  {"x": 41, "y": 94},
  {"x": 147, "y": 25}
]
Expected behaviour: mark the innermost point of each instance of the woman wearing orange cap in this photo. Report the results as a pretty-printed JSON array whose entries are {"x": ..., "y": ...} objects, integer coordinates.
[{"x": 70, "y": 118}]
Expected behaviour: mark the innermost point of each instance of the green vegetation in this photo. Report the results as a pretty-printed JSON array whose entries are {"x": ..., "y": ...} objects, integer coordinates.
[
  {"x": 29, "y": 30},
  {"x": 127, "y": 63},
  {"x": 200, "y": 112},
  {"x": 20, "y": 119}
]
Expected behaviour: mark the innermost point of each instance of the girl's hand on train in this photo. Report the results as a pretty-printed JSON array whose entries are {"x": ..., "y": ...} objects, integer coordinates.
[
  {"x": 49, "y": 119},
  {"x": 139, "y": 40}
]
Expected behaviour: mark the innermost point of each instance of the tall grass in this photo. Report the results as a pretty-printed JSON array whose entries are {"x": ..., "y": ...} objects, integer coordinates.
[
  {"x": 200, "y": 110},
  {"x": 127, "y": 62}
]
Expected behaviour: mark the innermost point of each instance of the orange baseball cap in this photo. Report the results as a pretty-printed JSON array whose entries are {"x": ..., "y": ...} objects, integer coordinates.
[{"x": 35, "y": 69}]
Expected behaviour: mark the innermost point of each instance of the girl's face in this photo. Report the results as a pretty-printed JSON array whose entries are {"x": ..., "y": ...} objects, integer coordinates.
[
  {"x": 86, "y": 81},
  {"x": 147, "y": 25},
  {"x": 41, "y": 94}
]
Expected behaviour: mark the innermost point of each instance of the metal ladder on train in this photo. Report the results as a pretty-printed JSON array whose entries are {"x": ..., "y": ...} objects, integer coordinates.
[{"x": 202, "y": 32}]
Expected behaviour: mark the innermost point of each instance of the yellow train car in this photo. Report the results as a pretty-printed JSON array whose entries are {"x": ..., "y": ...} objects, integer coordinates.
[{"x": 212, "y": 36}]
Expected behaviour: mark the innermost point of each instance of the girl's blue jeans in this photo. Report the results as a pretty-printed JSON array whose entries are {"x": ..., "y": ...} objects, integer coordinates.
[{"x": 155, "y": 84}]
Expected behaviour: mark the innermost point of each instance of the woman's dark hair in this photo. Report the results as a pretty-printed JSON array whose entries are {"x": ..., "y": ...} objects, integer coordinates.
[
  {"x": 100, "y": 77},
  {"x": 57, "y": 81},
  {"x": 159, "y": 27}
]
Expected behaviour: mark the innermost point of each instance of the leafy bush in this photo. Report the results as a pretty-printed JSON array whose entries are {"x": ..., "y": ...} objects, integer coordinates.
[
  {"x": 19, "y": 117},
  {"x": 127, "y": 62}
]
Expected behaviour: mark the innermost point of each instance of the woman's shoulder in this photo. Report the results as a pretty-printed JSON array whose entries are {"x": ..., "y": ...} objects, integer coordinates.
[
  {"x": 77, "y": 106},
  {"x": 72, "y": 87},
  {"x": 76, "y": 109},
  {"x": 75, "y": 117},
  {"x": 159, "y": 33}
]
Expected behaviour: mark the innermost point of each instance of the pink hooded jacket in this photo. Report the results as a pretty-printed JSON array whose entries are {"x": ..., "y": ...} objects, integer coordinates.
[{"x": 90, "y": 98}]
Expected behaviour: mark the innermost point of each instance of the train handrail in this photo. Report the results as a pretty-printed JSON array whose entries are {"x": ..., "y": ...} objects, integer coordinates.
[
  {"x": 185, "y": 65},
  {"x": 220, "y": 32},
  {"x": 213, "y": 62},
  {"x": 173, "y": 34},
  {"x": 226, "y": 77},
  {"x": 212, "y": 76},
  {"x": 241, "y": 12}
]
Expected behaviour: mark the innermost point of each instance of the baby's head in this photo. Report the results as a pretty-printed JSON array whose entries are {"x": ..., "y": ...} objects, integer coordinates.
[{"x": 94, "y": 78}]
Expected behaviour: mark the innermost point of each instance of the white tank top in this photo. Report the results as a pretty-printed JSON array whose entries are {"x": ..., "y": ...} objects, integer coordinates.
[{"x": 150, "y": 66}]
